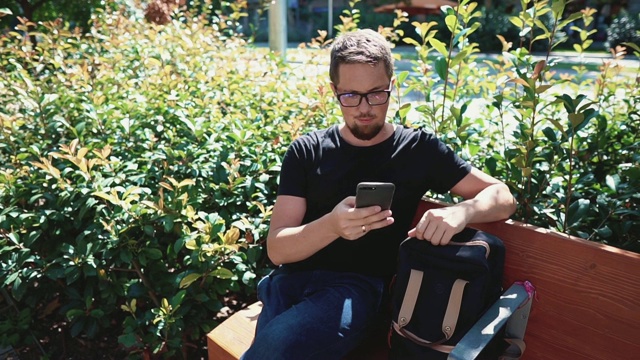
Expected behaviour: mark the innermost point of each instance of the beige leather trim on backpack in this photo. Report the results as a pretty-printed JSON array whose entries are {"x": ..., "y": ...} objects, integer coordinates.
[
  {"x": 420, "y": 341},
  {"x": 484, "y": 244},
  {"x": 453, "y": 308},
  {"x": 409, "y": 303},
  {"x": 410, "y": 297}
]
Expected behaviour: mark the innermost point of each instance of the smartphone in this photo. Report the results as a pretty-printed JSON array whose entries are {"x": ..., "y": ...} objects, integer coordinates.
[{"x": 375, "y": 193}]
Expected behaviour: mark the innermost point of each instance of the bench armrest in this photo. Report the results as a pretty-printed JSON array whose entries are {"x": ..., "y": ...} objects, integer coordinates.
[{"x": 514, "y": 301}]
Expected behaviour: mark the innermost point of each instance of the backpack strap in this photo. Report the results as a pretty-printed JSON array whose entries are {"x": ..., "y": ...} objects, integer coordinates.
[
  {"x": 453, "y": 308},
  {"x": 410, "y": 297},
  {"x": 450, "y": 318}
]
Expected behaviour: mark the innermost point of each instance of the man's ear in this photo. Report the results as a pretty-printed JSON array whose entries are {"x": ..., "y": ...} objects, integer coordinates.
[{"x": 333, "y": 88}]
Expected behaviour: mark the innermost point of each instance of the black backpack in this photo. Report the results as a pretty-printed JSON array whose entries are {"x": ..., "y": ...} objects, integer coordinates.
[{"x": 439, "y": 292}]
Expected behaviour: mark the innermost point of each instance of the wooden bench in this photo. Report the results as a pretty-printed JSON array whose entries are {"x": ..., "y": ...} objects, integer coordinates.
[{"x": 587, "y": 304}]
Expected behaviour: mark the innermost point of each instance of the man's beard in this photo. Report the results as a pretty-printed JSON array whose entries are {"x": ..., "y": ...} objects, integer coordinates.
[{"x": 365, "y": 133}]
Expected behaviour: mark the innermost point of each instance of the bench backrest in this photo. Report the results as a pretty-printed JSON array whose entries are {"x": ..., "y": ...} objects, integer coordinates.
[{"x": 587, "y": 304}]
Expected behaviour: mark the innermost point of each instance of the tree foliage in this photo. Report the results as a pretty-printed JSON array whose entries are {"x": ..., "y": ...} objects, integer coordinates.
[{"x": 76, "y": 13}]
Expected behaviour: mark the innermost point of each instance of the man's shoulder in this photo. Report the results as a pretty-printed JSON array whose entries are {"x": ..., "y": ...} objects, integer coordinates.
[
  {"x": 316, "y": 137},
  {"x": 406, "y": 134}
]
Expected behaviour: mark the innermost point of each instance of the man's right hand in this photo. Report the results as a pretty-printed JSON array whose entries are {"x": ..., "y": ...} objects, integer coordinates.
[{"x": 352, "y": 223}]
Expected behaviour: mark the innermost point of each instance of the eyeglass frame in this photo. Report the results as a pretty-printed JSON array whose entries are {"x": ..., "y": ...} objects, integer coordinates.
[{"x": 366, "y": 96}]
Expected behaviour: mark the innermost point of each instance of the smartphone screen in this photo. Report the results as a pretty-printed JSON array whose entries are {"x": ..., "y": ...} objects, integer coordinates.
[{"x": 375, "y": 193}]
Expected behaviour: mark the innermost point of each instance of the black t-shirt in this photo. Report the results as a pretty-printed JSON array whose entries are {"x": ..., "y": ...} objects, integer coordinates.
[{"x": 324, "y": 169}]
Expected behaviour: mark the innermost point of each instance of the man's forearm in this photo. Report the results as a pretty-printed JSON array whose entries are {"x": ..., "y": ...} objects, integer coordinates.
[
  {"x": 493, "y": 203},
  {"x": 291, "y": 244}
]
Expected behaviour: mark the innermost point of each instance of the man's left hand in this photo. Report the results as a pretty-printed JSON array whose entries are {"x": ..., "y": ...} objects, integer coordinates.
[{"x": 439, "y": 225}]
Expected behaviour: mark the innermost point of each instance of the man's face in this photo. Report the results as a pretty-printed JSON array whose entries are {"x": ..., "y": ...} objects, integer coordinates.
[{"x": 363, "y": 121}]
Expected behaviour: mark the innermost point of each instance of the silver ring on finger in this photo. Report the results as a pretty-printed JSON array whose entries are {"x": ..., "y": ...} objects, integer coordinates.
[{"x": 364, "y": 228}]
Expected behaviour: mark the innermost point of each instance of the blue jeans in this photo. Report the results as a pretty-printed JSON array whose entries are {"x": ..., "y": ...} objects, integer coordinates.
[{"x": 314, "y": 314}]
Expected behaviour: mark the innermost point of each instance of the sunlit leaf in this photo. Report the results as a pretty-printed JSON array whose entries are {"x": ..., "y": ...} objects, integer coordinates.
[
  {"x": 439, "y": 46},
  {"x": 612, "y": 182},
  {"x": 401, "y": 77},
  {"x": 231, "y": 236},
  {"x": 404, "y": 110},
  {"x": 452, "y": 22},
  {"x": 222, "y": 273},
  {"x": 189, "y": 279}
]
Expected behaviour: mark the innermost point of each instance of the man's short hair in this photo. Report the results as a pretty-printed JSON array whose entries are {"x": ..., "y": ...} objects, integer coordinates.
[{"x": 360, "y": 47}]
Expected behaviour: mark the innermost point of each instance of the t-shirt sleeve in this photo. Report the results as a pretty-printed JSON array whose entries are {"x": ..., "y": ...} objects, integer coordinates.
[
  {"x": 293, "y": 173},
  {"x": 448, "y": 167}
]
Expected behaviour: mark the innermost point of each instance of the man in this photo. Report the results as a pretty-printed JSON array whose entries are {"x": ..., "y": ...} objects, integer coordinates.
[{"x": 336, "y": 260}]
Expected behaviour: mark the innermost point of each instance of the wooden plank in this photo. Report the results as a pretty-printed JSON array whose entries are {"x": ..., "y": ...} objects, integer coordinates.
[
  {"x": 588, "y": 294},
  {"x": 233, "y": 337}
]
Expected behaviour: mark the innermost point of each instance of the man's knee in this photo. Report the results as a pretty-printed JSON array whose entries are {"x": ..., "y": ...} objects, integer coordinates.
[{"x": 269, "y": 345}]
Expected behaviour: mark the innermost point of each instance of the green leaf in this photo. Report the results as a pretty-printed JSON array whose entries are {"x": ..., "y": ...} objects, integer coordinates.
[
  {"x": 153, "y": 254},
  {"x": 179, "y": 244},
  {"x": 441, "y": 67},
  {"x": 577, "y": 211},
  {"x": 540, "y": 37},
  {"x": 19, "y": 288},
  {"x": 11, "y": 278},
  {"x": 632, "y": 45},
  {"x": 401, "y": 78},
  {"x": 76, "y": 329},
  {"x": 612, "y": 182},
  {"x": 569, "y": 20},
  {"x": 189, "y": 279},
  {"x": 459, "y": 57},
  {"x": 248, "y": 277},
  {"x": 550, "y": 134},
  {"x": 491, "y": 165},
  {"x": 411, "y": 41},
  {"x": 542, "y": 88},
  {"x": 404, "y": 110},
  {"x": 517, "y": 21},
  {"x": 73, "y": 274},
  {"x": 605, "y": 232},
  {"x": 97, "y": 313},
  {"x": 177, "y": 299},
  {"x": 128, "y": 340},
  {"x": 168, "y": 223},
  {"x": 222, "y": 273},
  {"x": 557, "y": 7},
  {"x": 439, "y": 46},
  {"x": 459, "y": 35},
  {"x": 126, "y": 256},
  {"x": 452, "y": 22},
  {"x": 73, "y": 313}
]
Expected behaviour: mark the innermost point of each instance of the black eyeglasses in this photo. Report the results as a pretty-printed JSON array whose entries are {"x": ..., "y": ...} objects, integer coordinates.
[{"x": 374, "y": 98}]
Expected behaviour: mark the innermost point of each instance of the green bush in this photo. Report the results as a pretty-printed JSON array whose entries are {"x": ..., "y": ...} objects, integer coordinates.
[
  {"x": 494, "y": 21},
  {"x": 139, "y": 163},
  {"x": 570, "y": 159},
  {"x": 139, "y": 167}
]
